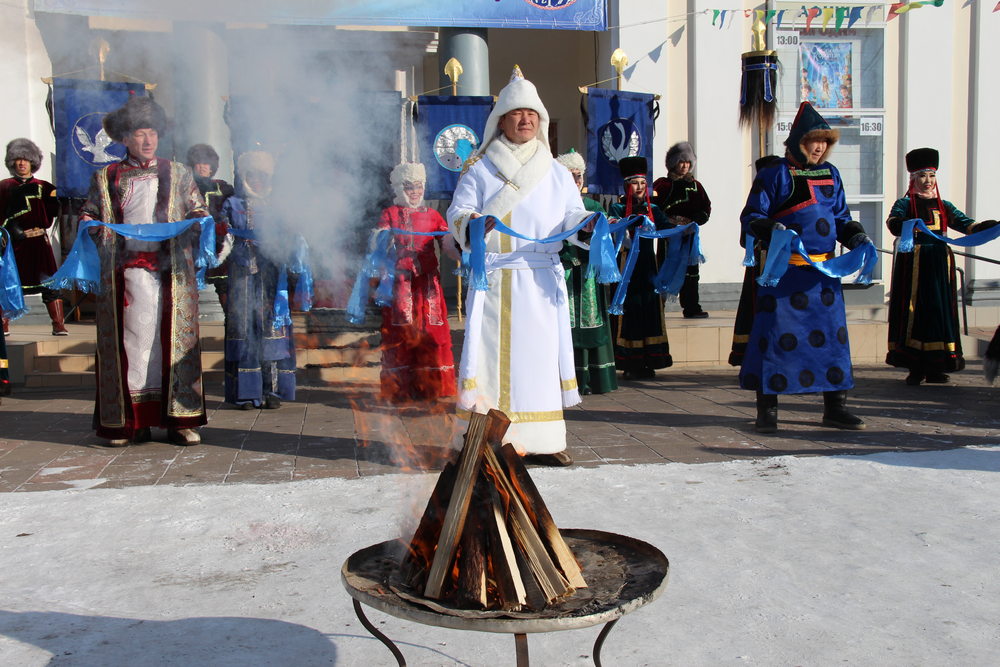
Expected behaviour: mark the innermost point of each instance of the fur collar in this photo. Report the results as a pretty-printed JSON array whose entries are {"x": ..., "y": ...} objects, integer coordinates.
[{"x": 520, "y": 179}]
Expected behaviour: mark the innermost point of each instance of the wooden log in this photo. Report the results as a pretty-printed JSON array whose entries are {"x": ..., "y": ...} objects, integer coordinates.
[
  {"x": 552, "y": 582},
  {"x": 480, "y": 427},
  {"x": 470, "y": 585},
  {"x": 541, "y": 518},
  {"x": 416, "y": 563},
  {"x": 503, "y": 568}
]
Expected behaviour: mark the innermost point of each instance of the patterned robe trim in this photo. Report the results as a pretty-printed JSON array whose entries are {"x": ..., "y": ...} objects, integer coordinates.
[{"x": 177, "y": 198}]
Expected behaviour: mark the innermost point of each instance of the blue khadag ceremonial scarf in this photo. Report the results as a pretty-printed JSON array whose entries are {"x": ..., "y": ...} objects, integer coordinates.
[
  {"x": 11, "y": 294},
  {"x": 298, "y": 264},
  {"x": 968, "y": 241},
  {"x": 82, "y": 268},
  {"x": 785, "y": 241}
]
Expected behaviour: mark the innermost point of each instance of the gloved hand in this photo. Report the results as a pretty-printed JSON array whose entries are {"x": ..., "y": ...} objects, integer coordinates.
[
  {"x": 778, "y": 227},
  {"x": 986, "y": 224},
  {"x": 857, "y": 240}
]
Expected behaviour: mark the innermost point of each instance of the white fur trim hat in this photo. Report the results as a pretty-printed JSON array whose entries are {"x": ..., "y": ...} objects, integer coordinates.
[
  {"x": 406, "y": 172},
  {"x": 519, "y": 93},
  {"x": 572, "y": 160}
]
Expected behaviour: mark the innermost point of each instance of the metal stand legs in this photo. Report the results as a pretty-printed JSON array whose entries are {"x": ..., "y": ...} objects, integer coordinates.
[
  {"x": 396, "y": 653},
  {"x": 520, "y": 640}
]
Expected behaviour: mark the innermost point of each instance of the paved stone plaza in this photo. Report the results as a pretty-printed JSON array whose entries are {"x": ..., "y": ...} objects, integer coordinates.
[{"x": 684, "y": 415}]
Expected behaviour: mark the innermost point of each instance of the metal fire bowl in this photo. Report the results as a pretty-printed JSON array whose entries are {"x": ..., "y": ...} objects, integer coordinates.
[{"x": 622, "y": 574}]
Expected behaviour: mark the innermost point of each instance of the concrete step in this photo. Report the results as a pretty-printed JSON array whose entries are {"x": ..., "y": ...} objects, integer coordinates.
[
  {"x": 343, "y": 375},
  {"x": 60, "y": 379}
]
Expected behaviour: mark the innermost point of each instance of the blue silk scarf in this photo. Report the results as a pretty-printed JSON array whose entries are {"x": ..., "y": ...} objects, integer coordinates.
[
  {"x": 11, "y": 294},
  {"x": 785, "y": 241},
  {"x": 82, "y": 268},
  {"x": 298, "y": 264},
  {"x": 968, "y": 241}
]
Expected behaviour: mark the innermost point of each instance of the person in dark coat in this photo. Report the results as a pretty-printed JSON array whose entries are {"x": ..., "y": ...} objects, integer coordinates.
[
  {"x": 204, "y": 163},
  {"x": 684, "y": 200},
  {"x": 640, "y": 332},
  {"x": 28, "y": 206}
]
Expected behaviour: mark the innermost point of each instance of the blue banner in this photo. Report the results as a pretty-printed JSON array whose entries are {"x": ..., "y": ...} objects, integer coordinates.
[
  {"x": 82, "y": 145},
  {"x": 541, "y": 14},
  {"x": 450, "y": 129},
  {"x": 619, "y": 125}
]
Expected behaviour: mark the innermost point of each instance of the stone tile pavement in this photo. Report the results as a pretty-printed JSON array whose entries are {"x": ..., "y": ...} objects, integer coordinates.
[{"x": 684, "y": 415}]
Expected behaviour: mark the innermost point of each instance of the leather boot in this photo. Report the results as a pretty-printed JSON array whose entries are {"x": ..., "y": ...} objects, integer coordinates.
[
  {"x": 55, "y": 309},
  {"x": 767, "y": 413},
  {"x": 835, "y": 412}
]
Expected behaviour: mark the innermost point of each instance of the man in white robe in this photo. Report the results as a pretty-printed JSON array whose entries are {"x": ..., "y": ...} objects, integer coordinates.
[{"x": 518, "y": 351}]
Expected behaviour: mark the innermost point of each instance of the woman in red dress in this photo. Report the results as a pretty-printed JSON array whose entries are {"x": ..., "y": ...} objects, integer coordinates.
[{"x": 417, "y": 361}]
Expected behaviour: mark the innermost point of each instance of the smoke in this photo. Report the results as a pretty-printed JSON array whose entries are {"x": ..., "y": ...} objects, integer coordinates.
[
  {"x": 319, "y": 99},
  {"x": 331, "y": 121}
]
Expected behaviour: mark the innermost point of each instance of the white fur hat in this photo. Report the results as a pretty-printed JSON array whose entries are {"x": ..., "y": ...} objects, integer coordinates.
[
  {"x": 572, "y": 160},
  {"x": 519, "y": 93},
  {"x": 408, "y": 172}
]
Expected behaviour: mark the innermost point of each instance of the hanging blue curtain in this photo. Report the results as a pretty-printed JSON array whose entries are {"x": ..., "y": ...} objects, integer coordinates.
[
  {"x": 450, "y": 128},
  {"x": 619, "y": 125},
  {"x": 82, "y": 145}
]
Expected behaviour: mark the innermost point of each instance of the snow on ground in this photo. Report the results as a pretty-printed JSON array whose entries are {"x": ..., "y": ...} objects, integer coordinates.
[{"x": 888, "y": 559}]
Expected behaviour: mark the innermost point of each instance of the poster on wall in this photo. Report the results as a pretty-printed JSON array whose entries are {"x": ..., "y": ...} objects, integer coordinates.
[{"x": 825, "y": 76}]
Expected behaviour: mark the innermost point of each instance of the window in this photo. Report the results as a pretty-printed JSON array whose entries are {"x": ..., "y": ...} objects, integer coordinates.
[{"x": 841, "y": 72}]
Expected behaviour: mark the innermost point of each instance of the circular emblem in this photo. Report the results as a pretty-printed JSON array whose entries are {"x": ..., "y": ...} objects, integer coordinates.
[
  {"x": 92, "y": 144},
  {"x": 453, "y": 145},
  {"x": 551, "y": 4},
  {"x": 619, "y": 139}
]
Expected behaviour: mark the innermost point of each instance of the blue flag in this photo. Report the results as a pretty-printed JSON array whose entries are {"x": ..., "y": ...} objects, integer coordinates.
[
  {"x": 82, "y": 145},
  {"x": 450, "y": 128},
  {"x": 619, "y": 125}
]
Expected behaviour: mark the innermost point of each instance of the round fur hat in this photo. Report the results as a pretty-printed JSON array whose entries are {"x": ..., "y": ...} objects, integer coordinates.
[
  {"x": 406, "y": 172},
  {"x": 203, "y": 154},
  {"x": 680, "y": 152},
  {"x": 633, "y": 167},
  {"x": 572, "y": 161},
  {"x": 921, "y": 159},
  {"x": 256, "y": 161},
  {"x": 23, "y": 149},
  {"x": 136, "y": 114}
]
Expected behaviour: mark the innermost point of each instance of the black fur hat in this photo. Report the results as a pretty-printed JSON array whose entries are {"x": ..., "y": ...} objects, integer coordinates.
[
  {"x": 680, "y": 152},
  {"x": 203, "y": 154},
  {"x": 633, "y": 166},
  {"x": 23, "y": 149},
  {"x": 136, "y": 114},
  {"x": 920, "y": 159},
  {"x": 765, "y": 162}
]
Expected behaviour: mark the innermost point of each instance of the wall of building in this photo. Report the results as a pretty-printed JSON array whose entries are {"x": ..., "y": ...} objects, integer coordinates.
[{"x": 22, "y": 113}]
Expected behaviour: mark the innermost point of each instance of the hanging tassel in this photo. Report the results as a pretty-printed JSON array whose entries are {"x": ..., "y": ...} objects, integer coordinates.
[{"x": 758, "y": 104}]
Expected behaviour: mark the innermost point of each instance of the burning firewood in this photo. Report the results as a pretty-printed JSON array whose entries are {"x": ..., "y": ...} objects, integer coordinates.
[{"x": 486, "y": 539}]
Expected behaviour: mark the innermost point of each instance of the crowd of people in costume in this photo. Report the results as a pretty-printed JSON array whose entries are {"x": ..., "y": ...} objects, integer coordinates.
[{"x": 562, "y": 296}]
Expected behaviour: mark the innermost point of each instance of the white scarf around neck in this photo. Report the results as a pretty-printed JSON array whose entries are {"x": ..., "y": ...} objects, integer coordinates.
[{"x": 522, "y": 165}]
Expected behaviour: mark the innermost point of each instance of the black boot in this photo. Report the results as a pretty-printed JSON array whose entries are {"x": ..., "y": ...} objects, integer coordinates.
[
  {"x": 767, "y": 413},
  {"x": 835, "y": 412}
]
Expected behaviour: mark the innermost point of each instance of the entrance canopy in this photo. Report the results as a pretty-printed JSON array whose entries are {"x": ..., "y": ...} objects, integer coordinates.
[{"x": 539, "y": 14}]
